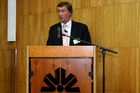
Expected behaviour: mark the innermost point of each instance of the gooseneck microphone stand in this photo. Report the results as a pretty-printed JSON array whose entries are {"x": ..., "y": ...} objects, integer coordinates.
[{"x": 103, "y": 54}]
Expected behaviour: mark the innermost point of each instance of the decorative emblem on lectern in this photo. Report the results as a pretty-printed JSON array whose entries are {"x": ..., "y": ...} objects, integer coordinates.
[{"x": 60, "y": 82}]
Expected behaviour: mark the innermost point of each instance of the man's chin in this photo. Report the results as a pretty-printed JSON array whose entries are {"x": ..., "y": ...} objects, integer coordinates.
[{"x": 62, "y": 20}]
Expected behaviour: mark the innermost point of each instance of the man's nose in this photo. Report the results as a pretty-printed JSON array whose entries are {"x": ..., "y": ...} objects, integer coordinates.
[{"x": 60, "y": 13}]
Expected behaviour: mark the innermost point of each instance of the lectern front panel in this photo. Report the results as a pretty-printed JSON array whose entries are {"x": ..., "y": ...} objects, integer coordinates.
[{"x": 61, "y": 75}]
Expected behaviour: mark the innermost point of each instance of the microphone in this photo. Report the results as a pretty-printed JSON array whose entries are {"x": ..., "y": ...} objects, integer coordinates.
[
  {"x": 58, "y": 32},
  {"x": 66, "y": 31}
]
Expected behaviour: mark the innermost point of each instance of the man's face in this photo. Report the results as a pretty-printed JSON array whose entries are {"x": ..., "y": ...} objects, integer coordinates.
[{"x": 64, "y": 14}]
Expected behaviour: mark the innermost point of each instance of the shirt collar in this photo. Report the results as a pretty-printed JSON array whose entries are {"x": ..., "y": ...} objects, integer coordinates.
[{"x": 68, "y": 24}]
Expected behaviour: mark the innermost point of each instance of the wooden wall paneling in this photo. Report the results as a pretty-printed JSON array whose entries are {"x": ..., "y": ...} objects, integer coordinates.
[
  {"x": 92, "y": 25},
  {"x": 109, "y": 40},
  {"x": 37, "y": 6},
  {"x": 49, "y": 5},
  {"x": 3, "y": 8},
  {"x": 33, "y": 29},
  {"x": 48, "y": 20},
  {"x": 99, "y": 19},
  {"x": 30, "y": 30},
  {"x": 29, "y": 7},
  {"x": 99, "y": 73},
  {"x": 25, "y": 35},
  {"x": 121, "y": 71},
  {"x": 105, "y": 2},
  {"x": 18, "y": 9},
  {"x": 43, "y": 6},
  {"x": 19, "y": 27},
  {"x": 7, "y": 71},
  {"x": 123, "y": 1},
  {"x": 137, "y": 70},
  {"x": 24, "y": 7},
  {"x": 36, "y": 32},
  {"x": 111, "y": 72},
  {"x": 135, "y": 21},
  {"x": 52, "y": 18},
  {"x": 45, "y": 34},
  {"x": 124, "y": 26},
  {"x": 43, "y": 31},
  {"x": 110, "y": 2},
  {"x": 53, "y": 4},
  {"x": 128, "y": 58},
  {"x": 10, "y": 65},
  {"x": 3, "y": 33},
  {"x": 21, "y": 70},
  {"x": 86, "y": 16},
  {"x": 93, "y": 3},
  {"x": 107, "y": 26},
  {"x": 105, "y": 15},
  {"x": 21, "y": 36},
  {"x": 138, "y": 25},
  {"x": 21, "y": 67},
  {"x": 76, "y": 4},
  {"x": 85, "y": 3},
  {"x": 98, "y": 3},
  {"x": 2, "y": 60}
]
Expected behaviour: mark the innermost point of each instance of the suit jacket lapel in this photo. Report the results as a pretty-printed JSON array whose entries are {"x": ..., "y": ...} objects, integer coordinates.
[
  {"x": 59, "y": 39},
  {"x": 73, "y": 28}
]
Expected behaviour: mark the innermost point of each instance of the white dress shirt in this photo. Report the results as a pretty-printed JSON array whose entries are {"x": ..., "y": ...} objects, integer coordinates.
[{"x": 68, "y": 29}]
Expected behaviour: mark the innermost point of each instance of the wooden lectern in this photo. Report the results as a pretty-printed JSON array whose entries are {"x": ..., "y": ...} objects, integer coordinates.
[{"x": 61, "y": 69}]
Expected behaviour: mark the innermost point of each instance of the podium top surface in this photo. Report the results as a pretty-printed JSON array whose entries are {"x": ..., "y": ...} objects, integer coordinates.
[{"x": 61, "y": 51}]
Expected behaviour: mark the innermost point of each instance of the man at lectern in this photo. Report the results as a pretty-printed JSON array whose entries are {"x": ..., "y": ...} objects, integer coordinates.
[{"x": 67, "y": 32}]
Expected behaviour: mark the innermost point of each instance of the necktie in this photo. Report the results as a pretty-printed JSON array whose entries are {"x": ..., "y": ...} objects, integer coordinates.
[{"x": 65, "y": 39}]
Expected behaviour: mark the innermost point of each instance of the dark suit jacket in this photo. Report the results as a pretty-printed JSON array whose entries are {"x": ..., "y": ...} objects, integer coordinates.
[{"x": 78, "y": 30}]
